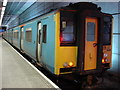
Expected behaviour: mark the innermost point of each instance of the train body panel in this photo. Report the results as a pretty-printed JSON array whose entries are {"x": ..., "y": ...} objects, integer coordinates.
[
  {"x": 48, "y": 42},
  {"x": 11, "y": 36},
  {"x": 16, "y": 37},
  {"x": 8, "y": 35},
  {"x": 29, "y": 42}
]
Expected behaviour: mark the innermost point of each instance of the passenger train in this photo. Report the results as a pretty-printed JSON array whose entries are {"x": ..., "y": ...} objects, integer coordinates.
[{"x": 73, "y": 39}]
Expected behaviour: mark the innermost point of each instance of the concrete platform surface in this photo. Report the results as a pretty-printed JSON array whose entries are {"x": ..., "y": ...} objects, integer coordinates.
[{"x": 16, "y": 72}]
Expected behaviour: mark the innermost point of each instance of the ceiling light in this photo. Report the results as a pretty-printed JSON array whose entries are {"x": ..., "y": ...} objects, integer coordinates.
[
  {"x": 2, "y": 13},
  {"x": 3, "y": 8},
  {"x": 5, "y": 2}
]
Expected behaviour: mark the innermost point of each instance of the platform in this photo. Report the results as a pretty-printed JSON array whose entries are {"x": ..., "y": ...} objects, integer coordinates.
[{"x": 18, "y": 73}]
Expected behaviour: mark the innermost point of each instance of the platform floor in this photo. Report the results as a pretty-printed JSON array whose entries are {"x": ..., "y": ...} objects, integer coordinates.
[{"x": 16, "y": 72}]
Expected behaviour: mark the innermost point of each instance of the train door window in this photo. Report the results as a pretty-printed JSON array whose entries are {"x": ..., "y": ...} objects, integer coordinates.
[
  {"x": 29, "y": 34},
  {"x": 107, "y": 31},
  {"x": 67, "y": 28},
  {"x": 39, "y": 32},
  {"x": 90, "y": 31},
  {"x": 22, "y": 33},
  {"x": 44, "y": 33},
  {"x": 16, "y": 34},
  {"x": 12, "y": 34},
  {"x": 22, "y": 37}
]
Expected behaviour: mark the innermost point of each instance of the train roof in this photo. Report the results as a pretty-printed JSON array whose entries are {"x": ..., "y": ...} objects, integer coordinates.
[{"x": 79, "y": 6}]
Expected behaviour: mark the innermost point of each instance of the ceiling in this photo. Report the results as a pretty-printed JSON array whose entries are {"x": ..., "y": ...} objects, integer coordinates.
[
  {"x": 0, "y": 7},
  {"x": 16, "y": 7}
]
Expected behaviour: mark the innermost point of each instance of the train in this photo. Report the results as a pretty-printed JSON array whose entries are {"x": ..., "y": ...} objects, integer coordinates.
[{"x": 72, "y": 39}]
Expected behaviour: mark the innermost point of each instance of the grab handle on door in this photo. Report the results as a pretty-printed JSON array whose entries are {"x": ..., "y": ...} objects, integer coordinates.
[
  {"x": 90, "y": 55},
  {"x": 94, "y": 44}
]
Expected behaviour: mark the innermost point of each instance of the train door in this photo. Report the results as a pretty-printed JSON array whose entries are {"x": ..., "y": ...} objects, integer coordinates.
[
  {"x": 91, "y": 43},
  {"x": 39, "y": 41},
  {"x": 21, "y": 38}
]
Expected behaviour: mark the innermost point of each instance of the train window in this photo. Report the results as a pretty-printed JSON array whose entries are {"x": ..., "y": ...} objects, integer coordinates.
[
  {"x": 39, "y": 32},
  {"x": 44, "y": 33},
  {"x": 16, "y": 34},
  {"x": 90, "y": 31},
  {"x": 107, "y": 31},
  {"x": 29, "y": 34},
  {"x": 67, "y": 28},
  {"x": 39, "y": 26}
]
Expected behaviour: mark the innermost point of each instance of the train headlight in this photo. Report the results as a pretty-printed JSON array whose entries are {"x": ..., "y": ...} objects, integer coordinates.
[
  {"x": 105, "y": 60},
  {"x": 105, "y": 55},
  {"x": 65, "y": 65},
  {"x": 70, "y": 64}
]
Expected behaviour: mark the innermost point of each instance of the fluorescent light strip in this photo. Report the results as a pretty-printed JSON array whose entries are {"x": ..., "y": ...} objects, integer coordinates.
[
  {"x": 1, "y": 20},
  {"x": 2, "y": 13},
  {"x": 5, "y": 2},
  {"x": 3, "y": 10}
]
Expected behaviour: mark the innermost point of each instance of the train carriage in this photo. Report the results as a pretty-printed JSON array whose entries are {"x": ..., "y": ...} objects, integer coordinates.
[{"x": 72, "y": 39}]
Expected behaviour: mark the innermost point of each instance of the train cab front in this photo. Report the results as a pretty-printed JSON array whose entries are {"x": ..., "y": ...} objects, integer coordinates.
[{"x": 85, "y": 40}]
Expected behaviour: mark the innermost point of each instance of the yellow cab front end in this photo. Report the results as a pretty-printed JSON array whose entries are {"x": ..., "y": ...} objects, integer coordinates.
[{"x": 80, "y": 42}]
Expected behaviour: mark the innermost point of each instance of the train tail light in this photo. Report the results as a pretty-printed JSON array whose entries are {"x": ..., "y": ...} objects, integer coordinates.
[
  {"x": 67, "y": 65},
  {"x": 70, "y": 64},
  {"x": 61, "y": 39},
  {"x": 105, "y": 55},
  {"x": 103, "y": 60}
]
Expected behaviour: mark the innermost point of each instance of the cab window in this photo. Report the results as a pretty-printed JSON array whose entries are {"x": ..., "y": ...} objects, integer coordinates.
[
  {"x": 107, "y": 31},
  {"x": 67, "y": 28}
]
